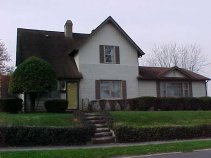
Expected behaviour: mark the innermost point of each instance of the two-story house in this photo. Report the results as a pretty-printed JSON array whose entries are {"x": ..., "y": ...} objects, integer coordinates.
[{"x": 103, "y": 65}]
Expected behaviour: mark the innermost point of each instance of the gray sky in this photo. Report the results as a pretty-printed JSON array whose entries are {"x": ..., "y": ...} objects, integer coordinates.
[{"x": 147, "y": 22}]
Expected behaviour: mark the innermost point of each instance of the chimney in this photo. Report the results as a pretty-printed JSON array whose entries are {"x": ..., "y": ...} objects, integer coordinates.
[{"x": 68, "y": 29}]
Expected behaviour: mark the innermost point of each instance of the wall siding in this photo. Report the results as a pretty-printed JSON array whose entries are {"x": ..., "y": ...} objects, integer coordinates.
[
  {"x": 198, "y": 89},
  {"x": 175, "y": 73},
  {"x": 92, "y": 69},
  {"x": 147, "y": 88}
]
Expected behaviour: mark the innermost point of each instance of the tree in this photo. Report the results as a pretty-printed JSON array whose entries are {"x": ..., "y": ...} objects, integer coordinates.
[
  {"x": 4, "y": 58},
  {"x": 185, "y": 56},
  {"x": 32, "y": 77}
]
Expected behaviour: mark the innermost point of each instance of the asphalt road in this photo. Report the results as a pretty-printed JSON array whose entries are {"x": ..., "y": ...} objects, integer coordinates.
[{"x": 195, "y": 154}]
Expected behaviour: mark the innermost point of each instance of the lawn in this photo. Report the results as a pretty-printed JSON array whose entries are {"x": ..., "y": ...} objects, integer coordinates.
[
  {"x": 161, "y": 118},
  {"x": 38, "y": 119},
  {"x": 111, "y": 151}
]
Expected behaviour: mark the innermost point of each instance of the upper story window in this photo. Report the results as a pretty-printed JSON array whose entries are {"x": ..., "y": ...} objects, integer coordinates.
[{"x": 109, "y": 54}]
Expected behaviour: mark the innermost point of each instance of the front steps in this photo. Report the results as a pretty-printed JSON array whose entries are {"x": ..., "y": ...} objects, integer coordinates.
[{"x": 103, "y": 133}]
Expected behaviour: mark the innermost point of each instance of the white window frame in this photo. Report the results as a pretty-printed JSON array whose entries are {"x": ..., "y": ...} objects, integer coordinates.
[
  {"x": 164, "y": 91},
  {"x": 111, "y": 89},
  {"x": 112, "y": 54}
]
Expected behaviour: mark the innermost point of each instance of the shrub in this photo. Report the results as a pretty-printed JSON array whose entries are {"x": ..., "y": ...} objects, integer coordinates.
[
  {"x": 133, "y": 103},
  {"x": 102, "y": 104},
  {"x": 12, "y": 105},
  {"x": 206, "y": 103},
  {"x": 39, "y": 136},
  {"x": 56, "y": 105},
  {"x": 128, "y": 134},
  {"x": 179, "y": 104},
  {"x": 122, "y": 103},
  {"x": 145, "y": 103}
]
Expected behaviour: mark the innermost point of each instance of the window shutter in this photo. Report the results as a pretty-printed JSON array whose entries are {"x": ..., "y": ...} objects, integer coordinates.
[
  {"x": 190, "y": 89},
  {"x": 101, "y": 53},
  {"x": 124, "y": 90},
  {"x": 117, "y": 55},
  {"x": 97, "y": 89},
  {"x": 158, "y": 89}
]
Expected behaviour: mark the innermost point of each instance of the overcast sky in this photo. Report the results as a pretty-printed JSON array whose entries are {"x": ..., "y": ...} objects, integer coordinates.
[{"x": 147, "y": 22}]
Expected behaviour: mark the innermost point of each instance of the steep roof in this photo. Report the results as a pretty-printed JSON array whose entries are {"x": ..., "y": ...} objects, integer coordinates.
[
  {"x": 51, "y": 46},
  {"x": 158, "y": 73},
  {"x": 116, "y": 25}
]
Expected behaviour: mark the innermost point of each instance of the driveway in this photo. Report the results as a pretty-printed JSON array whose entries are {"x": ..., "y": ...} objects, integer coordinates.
[{"x": 195, "y": 154}]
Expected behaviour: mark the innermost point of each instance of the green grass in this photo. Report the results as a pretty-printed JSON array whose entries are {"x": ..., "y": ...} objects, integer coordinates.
[
  {"x": 38, "y": 119},
  {"x": 111, "y": 151},
  {"x": 161, "y": 118}
]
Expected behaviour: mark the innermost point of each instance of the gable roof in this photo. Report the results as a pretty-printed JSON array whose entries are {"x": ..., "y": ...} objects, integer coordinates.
[
  {"x": 158, "y": 73},
  {"x": 116, "y": 25},
  {"x": 51, "y": 46}
]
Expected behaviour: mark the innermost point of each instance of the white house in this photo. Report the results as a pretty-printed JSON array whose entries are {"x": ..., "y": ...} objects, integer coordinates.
[{"x": 103, "y": 65}]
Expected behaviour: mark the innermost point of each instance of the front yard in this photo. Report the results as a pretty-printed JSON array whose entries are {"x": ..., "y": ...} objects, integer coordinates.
[
  {"x": 161, "y": 118},
  {"x": 38, "y": 119}
]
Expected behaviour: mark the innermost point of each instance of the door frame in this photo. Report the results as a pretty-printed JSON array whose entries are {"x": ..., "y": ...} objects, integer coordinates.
[{"x": 77, "y": 82}]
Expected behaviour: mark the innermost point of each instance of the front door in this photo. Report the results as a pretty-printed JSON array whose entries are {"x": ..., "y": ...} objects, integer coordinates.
[{"x": 72, "y": 95}]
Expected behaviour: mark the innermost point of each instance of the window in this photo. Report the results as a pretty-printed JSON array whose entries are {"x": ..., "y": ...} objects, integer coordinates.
[
  {"x": 110, "y": 89},
  {"x": 174, "y": 89},
  {"x": 62, "y": 85},
  {"x": 109, "y": 54}
]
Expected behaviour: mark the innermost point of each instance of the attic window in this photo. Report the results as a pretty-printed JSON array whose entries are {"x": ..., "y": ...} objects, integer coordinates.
[{"x": 109, "y": 54}]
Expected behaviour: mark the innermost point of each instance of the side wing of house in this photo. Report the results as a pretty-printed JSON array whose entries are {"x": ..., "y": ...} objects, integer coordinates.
[{"x": 171, "y": 82}]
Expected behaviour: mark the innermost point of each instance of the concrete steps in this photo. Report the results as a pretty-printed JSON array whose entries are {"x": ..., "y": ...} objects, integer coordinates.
[{"x": 103, "y": 133}]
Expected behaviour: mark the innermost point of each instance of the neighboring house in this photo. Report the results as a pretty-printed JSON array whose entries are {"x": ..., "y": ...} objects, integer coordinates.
[
  {"x": 99, "y": 65},
  {"x": 4, "y": 84}
]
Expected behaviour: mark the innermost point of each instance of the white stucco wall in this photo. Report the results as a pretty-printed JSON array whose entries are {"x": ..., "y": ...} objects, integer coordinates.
[
  {"x": 147, "y": 88},
  {"x": 92, "y": 69},
  {"x": 199, "y": 89}
]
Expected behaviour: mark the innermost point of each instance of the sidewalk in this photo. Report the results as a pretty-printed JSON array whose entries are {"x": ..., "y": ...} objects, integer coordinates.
[{"x": 88, "y": 146}]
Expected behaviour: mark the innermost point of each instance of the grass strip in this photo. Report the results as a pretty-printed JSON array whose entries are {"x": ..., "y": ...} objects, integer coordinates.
[{"x": 185, "y": 146}]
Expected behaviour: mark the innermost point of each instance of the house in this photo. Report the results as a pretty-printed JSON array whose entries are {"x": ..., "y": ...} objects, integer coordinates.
[{"x": 101, "y": 65}]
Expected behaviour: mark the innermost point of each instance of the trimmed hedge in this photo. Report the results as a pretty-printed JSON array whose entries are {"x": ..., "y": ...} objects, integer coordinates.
[
  {"x": 128, "y": 134},
  {"x": 167, "y": 104},
  {"x": 153, "y": 103},
  {"x": 12, "y": 105},
  {"x": 41, "y": 136},
  {"x": 56, "y": 105}
]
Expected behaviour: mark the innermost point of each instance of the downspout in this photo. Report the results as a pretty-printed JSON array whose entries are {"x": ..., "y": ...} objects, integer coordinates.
[{"x": 206, "y": 81}]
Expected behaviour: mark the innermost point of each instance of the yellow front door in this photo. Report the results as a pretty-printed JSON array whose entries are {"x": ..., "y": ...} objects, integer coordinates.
[{"x": 72, "y": 95}]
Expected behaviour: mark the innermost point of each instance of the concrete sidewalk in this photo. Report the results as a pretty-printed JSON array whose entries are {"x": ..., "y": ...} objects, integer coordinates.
[{"x": 88, "y": 146}]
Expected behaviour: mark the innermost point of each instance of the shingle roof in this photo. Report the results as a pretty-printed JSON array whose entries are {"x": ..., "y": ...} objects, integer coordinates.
[
  {"x": 158, "y": 73},
  {"x": 51, "y": 46}
]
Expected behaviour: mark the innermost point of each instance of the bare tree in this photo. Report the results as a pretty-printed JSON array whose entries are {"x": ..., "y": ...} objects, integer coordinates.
[
  {"x": 184, "y": 56},
  {"x": 4, "y": 58}
]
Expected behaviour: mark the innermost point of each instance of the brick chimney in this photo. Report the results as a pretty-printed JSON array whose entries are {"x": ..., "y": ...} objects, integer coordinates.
[{"x": 68, "y": 29}]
